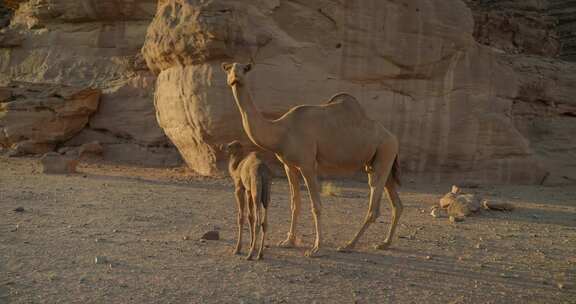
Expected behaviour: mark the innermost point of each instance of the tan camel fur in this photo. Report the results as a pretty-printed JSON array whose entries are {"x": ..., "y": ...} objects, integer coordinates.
[
  {"x": 336, "y": 134},
  {"x": 252, "y": 180}
]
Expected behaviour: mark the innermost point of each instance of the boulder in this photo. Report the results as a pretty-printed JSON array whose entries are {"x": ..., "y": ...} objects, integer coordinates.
[
  {"x": 91, "y": 150},
  {"x": 93, "y": 43},
  {"x": 54, "y": 163},
  {"x": 35, "y": 117}
]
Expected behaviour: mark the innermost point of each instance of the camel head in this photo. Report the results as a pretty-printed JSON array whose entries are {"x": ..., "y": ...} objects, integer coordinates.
[
  {"x": 236, "y": 72},
  {"x": 234, "y": 148}
]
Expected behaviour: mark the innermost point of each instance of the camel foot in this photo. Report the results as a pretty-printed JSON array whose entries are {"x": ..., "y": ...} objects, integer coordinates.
[
  {"x": 383, "y": 246},
  {"x": 289, "y": 242},
  {"x": 313, "y": 252},
  {"x": 259, "y": 256},
  {"x": 249, "y": 257},
  {"x": 236, "y": 251},
  {"x": 346, "y": 248}
]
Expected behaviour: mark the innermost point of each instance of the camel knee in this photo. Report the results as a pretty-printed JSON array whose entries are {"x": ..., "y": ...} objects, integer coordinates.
[
  {"x": 295, "y": 208},
  {"x": 264, "y": 227},
  {"x": 397, "y": 207},
  {"x": 372, "y": 216},
  {"x": 316, "y": 210}
]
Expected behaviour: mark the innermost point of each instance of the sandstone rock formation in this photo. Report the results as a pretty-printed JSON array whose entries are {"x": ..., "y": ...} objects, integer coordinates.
[
  {"x": 414, "y": 65},
  {"x": 457, "y": 205},
  {"x": 93, "y": 43},
  {"x": 531, "y": 36},
  {"x": 36, "y": 117},
  {"x": 471, "y": 86}
]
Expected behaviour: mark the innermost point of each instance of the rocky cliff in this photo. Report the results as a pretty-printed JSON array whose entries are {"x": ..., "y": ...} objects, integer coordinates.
[
  {"x": 416, "y": 66},
  {"x": 93, "y": 43},
  {"x": 475, "y": 89}
]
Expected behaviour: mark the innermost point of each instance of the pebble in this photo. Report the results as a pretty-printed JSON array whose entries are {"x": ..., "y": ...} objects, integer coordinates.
[
  {"x": 15, "y": 228},
  {"x": 99, "y": 260},
  {"x": 211, "y": 235},
  {"x": 19, "y": 209}
]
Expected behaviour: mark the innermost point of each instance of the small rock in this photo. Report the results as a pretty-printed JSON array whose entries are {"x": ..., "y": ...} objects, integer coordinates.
[
  {"x": 19, "y": 209},
  {"x": 478, "y": 246},
  {"x": 211, "y": 235},
  {"x": 185, "y": 237},
  {"x": 91, "y": 150},
  {"x": 115, "y": 230},
  {"x": 54, "y": 163},
  {"x": 436, "y": 212},
  {"x": 428, "y": 257},
  {"x": 100, "y": 260},
  {"x": 454, "y": 219},
  {"x": 560, "y": 285}
]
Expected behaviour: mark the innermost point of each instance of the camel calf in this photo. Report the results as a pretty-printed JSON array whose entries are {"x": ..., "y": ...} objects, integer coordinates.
[{"x": 252, "y": 180}]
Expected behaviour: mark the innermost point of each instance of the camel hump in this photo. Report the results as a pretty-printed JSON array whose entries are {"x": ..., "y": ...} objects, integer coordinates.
[
  {"x": 349, "y": 102},
  {"x": 342, "y": 97}
]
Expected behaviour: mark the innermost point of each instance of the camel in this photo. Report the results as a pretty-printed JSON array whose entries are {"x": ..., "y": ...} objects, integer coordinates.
[
  {"x": 252, "y": 180},
  {"x": 336, "y": 134}
]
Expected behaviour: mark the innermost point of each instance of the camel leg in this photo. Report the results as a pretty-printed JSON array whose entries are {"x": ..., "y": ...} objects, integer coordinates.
[
  {"x": 263, "y": 228},
  {"x": 396, "y": 213},
  {"x": 312, "y": 183},
  {"x": 241, "y": 208},
  {"x": 252, "y": 221},
  {"x": 376, "y": 189},
  {"x": 294, "y": 182}
]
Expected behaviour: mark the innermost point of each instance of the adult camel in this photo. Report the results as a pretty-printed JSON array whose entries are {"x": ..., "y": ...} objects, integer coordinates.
[{"x": 335, "y": 134}]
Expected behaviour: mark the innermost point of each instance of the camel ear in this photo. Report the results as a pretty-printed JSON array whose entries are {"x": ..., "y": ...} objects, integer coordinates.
[
  {"x": 226, "y": 66},
  {"x": 247, "y": 67}
]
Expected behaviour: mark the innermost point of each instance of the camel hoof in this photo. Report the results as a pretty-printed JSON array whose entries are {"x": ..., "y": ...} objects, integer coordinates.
[
  {"x": 236, "y": 251},
  {"x": 313, "y": 252},
  {"x": 249, "y": 257},
  {"x": 382, "y": 246},
  {"x": 347, "y": 248},
  {"x": 288, "y": 243},
  {"x": 259, "y": 257}
]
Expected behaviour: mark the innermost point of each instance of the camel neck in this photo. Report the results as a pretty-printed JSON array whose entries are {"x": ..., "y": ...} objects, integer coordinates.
[
  {"x": 262, "y": 132},
  {"x": 233, "y": 163}
]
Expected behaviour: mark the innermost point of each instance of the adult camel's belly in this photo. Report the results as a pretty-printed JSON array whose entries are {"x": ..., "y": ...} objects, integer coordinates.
[{"x": 347, "y": 148}]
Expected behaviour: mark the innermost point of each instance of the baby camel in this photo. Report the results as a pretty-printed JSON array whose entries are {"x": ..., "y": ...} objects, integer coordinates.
[{"x": 252, "y": 180}]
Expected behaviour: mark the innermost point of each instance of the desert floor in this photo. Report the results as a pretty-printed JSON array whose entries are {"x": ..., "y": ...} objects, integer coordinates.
[{"x": 146, "y": 224}]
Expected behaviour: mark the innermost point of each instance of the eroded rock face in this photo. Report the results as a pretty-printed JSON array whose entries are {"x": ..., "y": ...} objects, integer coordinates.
[
  {"x": 93, "y": 43},
  {"x": 414, "y": 66},
  {"x": 36, "y": 117}
]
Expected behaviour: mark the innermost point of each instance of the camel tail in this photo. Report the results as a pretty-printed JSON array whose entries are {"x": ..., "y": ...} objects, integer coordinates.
[
  {"x": 395, "y": 174},
  {"x": 263, "y": 187}
]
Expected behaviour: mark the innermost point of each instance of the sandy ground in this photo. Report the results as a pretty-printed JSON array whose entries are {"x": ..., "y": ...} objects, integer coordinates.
[{"x": 146, "y": 224}]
